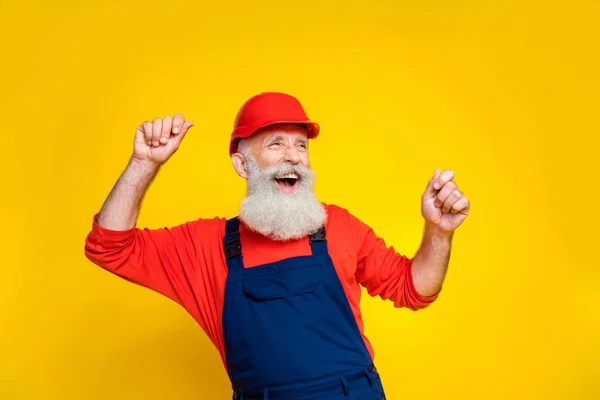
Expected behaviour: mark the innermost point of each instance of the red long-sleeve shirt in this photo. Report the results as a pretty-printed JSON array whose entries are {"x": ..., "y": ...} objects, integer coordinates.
[{"x": 186, "y": 263}]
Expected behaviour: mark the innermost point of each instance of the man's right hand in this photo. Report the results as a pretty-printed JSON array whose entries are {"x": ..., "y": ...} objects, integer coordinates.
[{"x": 156, "y": 141}]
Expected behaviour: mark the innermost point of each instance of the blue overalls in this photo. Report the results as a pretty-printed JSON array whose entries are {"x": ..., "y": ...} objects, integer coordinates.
[{"x": 289, "y": 331}]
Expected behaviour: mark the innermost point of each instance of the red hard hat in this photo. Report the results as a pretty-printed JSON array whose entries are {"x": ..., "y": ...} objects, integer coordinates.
[{"x": 268, "y": 109}]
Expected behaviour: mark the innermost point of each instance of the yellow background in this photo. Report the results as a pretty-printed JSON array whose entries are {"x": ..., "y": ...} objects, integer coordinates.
[{"x": 506, "y": 93}]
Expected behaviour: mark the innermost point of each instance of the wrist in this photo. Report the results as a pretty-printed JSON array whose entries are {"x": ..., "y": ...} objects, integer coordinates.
[
  {"x": 143, "y": 166},
  {"x": 433, "y": 230}
]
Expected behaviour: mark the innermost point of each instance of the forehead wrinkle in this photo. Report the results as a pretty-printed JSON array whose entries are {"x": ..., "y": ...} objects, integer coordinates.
[
  {"x": 277, "y": 136},
  {"x": 273, "y": 138}
]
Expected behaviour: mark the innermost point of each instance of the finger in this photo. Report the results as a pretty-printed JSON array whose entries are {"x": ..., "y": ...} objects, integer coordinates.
[
  {"x": 148, "y": 132},
  {"x": 453, "y": 198},
  {"x": 430, "y": 191},
  {"x": 444, "y": 178},
  {"x": 166, "y": 129},
  {"x": 461, "y": 206},
  {"x": 156, "y": 131},
  {"x": 443, "y": 194},
  {"x": 177, "y": 123}
]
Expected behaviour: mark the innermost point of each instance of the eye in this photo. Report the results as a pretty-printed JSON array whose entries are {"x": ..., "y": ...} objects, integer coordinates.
[
  {"x": 275, "y": 143},
  {"x": 302, "y": 145}
]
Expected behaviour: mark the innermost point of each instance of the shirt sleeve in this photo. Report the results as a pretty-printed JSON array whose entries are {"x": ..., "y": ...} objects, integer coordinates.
[
  {"x": 160, "y": 259},
  {"x": 383, "y": 271}
]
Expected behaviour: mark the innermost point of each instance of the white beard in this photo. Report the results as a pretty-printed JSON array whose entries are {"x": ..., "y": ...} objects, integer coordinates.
[{"x": 281, "y": 216}]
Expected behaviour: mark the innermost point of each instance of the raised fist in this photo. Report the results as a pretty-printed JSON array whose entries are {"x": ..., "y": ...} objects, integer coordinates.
[
  {"x": 443, "y": 205},
  {"x": 156, "y": 141}
]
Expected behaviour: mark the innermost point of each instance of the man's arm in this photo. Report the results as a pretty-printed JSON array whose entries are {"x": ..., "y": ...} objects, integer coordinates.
[
  {"x": 380, "y": 268},
  {"x": 430, "y": 263},
  {"x": 444, "y": 208},
  {"x": 154, "y": 258},
  {"x": 154, "y": 143},
  {"x": 176, "y": 261},
  {"x": 121, "y": 208}
]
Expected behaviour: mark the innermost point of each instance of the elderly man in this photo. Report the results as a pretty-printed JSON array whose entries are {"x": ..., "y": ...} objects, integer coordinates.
[{"x": 277, "y": 290}]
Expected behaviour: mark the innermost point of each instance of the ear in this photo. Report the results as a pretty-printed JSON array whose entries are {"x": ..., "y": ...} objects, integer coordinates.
[{"x": 239, "y": 163}]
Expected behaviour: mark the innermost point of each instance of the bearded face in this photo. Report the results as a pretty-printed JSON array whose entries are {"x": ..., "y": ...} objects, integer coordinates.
[{"x": 280, "y": 201}]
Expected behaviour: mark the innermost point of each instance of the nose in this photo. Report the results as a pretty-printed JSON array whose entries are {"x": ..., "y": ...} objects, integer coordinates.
[{"x": 291, "y": 155}]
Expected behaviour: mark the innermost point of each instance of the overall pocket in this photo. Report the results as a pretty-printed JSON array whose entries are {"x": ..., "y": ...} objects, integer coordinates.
[{"x": 282, "y": 284}]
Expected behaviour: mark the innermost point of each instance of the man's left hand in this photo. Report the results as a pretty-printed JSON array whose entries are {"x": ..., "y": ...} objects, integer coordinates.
[{"x": 443, "y": 205}]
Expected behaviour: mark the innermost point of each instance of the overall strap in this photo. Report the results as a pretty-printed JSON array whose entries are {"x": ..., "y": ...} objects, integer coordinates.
[
  {"x": 232, "y": 246},
  {"x": 318, "y": 242}
]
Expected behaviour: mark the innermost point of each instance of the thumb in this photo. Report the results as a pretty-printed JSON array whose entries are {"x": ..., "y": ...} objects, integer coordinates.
[
  {"x": 184, "y": 128},
  {"x": 430, "y": 191},
  {"x": 186, "y": 125}
]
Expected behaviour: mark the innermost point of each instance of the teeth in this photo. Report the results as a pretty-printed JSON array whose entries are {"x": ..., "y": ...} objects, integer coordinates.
[{"x": 288, "y": 176}]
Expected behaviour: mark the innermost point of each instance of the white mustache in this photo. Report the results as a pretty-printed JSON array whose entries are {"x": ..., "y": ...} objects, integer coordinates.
[{"x": 282, "y": 169}]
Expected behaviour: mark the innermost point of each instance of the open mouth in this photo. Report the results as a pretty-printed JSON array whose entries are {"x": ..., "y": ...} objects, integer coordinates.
[{"x": 287, "y": 183}]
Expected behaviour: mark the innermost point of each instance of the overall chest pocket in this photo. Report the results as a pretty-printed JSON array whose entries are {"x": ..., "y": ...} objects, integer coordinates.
[{"x": 283, "y": 284}]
